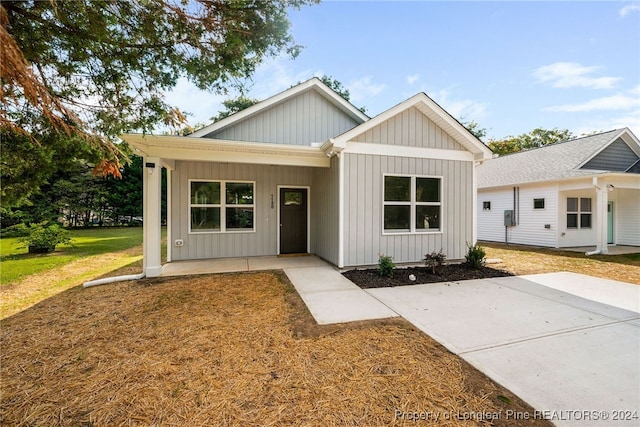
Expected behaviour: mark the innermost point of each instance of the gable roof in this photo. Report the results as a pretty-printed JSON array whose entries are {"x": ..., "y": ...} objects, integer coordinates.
[
  {"x": 434, "y": 112},
  {"x": 311, "y": 84},
  {"x": 561, "y": 160}
]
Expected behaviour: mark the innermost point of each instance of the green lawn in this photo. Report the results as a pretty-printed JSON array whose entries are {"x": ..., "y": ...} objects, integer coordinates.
[{"x": 16, "y": 263}]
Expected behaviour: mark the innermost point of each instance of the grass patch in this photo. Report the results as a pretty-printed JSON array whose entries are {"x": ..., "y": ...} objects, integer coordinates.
[
  {"x": 17, "y": 263},
  {"x": 520, "y": 260}
]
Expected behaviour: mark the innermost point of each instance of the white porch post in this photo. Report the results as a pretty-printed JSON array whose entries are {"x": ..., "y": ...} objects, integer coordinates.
[
  {"x": 602, "y": 202},
  {"x": 152, "y": 173}
]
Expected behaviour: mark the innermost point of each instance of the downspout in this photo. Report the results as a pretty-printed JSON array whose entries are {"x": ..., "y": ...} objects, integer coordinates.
[{"x": 107, "y": 280}]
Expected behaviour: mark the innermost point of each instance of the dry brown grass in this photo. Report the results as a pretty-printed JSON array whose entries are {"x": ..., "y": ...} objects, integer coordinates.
[
  {"x": 233, "y": 349},
  {"x": 532, "y": 260}
]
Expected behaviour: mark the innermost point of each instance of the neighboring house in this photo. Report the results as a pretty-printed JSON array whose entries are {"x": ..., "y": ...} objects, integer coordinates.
[
  {"x": 307, "y": 172},
  {"x": 582, "y": 192}
]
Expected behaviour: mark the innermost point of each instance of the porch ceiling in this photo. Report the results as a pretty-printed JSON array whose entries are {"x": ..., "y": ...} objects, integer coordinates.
[{"x": 216, "y": 150}]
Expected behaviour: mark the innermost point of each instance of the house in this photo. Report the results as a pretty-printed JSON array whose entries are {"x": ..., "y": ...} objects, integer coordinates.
[
  {"x": 306, "y": 172},
  {"x": 582, "y": 192}
]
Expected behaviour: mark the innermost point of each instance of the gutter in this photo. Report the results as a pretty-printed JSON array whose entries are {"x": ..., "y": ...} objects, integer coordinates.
[{"x": 107, "y": 280}]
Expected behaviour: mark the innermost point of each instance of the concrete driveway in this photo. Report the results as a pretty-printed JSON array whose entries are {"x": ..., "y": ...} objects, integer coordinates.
[{"x": 568, "y": 344}]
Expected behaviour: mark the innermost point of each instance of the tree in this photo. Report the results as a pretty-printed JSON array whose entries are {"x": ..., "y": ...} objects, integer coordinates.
[
  {"x": 92, "y": 69},
  {"x": 475, "y": 129},
  {"x": 232, "y": 106},
  {"x": 536, "y": 138}
]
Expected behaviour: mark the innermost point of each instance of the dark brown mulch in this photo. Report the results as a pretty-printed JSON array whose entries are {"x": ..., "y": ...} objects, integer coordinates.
[{"x": 371, "y": 278}]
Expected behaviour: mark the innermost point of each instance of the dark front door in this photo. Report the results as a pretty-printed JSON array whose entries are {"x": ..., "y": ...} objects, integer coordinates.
[{"x": 293, "y": 220}]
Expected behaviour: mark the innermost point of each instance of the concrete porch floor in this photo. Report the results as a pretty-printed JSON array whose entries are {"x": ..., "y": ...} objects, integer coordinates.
[
  {"x": 229, "y": 265},
  {"x": 613, "y": 250}
]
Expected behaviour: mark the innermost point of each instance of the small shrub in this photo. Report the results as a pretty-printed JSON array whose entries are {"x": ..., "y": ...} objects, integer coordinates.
[
  {"x": 41, "y": 238},
  {"x": 434, "y": 260},
  {"x": 386, "y": 266},
  {"x": 475, "y": 256}
]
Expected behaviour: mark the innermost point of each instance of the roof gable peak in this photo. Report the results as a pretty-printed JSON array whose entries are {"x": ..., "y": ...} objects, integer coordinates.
[{"x": 313, "y": 83}]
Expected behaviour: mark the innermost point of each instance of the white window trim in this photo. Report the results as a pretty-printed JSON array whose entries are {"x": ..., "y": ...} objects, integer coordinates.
[
  {"x": 222, "y": 205},
  {"x": 412, "y": 212},
  {"x": 579, "y": 212}
]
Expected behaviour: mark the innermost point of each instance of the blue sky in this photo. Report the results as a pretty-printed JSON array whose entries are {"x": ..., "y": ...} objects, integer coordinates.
[{"x": 510, "y": 66}]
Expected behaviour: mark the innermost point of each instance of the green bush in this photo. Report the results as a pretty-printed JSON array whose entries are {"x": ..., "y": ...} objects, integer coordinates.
[
  {"x": 434, "y": 260},
  {"x": 42, "y": 238},
  {"x": 475, "y": 256},
  {"x": 386, "y": 266}
]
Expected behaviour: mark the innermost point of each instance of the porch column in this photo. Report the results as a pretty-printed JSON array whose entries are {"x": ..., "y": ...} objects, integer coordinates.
[
  {"x": 602, "y": 203},
  {"x": 151, "y": 173}
]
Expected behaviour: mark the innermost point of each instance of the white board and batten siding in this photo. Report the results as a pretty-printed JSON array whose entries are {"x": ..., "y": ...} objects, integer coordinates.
[
  {"x": 302, "y": 120},
  {"x": 364, "y": 237},
  {"x": 262, "y": 241},
  {"x": 410, "y": 129},
  {"x": 530, "y": 229},
  {"x": 627, "y": 217}
]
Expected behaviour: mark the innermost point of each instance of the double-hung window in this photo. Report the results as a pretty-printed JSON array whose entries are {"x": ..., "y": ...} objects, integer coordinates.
[
  {"x": 221, "y": 206},
  {"x": 412, "y": 204},
  {"x": 578, "y": 212}
]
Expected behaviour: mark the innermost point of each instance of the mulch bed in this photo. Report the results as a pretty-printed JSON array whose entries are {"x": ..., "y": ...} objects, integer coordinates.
[{"x": 371, "y": 278}]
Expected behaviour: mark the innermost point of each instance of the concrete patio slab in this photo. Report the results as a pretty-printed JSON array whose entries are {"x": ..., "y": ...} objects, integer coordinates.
[
  {"x": 205, "y": 266},
  {"x": 594, "y": 369},
  {"x": 611, "y": 292},
  {"x": 561, "y": 352}
]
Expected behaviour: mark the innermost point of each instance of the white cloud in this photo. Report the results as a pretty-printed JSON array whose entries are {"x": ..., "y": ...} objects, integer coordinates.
[
  {"x": 363, "y": 89},
  {"x": 572, "y": 74},
  {"x": 607, "y": 103},
  {"x": 276, "y": 75},
  {"x": 629, "y": 8},
  {"x": 630, "y": 120},
  {"x": 461, "y": 109},
  {"x": 412, "y": 79}
]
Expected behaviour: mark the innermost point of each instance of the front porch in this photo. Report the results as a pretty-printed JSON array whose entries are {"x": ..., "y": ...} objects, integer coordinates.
[{"x": 232, "y": 265}]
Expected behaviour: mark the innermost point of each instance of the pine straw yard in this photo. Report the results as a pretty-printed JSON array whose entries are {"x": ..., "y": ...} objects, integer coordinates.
[{"x": 233, "y": 349}]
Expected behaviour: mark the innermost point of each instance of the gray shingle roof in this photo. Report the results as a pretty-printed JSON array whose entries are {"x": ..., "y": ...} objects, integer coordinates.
[{"x": 552, "y": 162}]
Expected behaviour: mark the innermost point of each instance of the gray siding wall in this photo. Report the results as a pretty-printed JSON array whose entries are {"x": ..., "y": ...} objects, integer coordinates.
[
  {"x": 325, "y": 208},
  {"x": 219, "y": 245},
  {"x": 410, "y": 128},
  {"x": 616, "y": 157},
  {"x": 303, "y": 120},
  {"x": 363, "y": 228}
]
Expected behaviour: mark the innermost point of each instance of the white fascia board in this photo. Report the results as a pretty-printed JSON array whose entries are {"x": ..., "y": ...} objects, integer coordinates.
[
  {"x": 282, "y": 96},
  {"x": 406, "y": 151},
  {"x": 435, "y": 113},
  {"x": 213, "y": 150}
]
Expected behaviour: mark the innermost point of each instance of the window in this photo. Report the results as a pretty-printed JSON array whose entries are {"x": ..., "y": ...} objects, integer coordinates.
[
  {"x": 486, "y": 206},
  {"x": 412, "y": 204},
  {"x": 220, "y": 206},
  {"x": 578, "y": 212},
  {"x": 538, "y": 203}
]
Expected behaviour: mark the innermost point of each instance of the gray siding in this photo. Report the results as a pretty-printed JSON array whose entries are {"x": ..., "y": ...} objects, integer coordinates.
[
  {"x": 219, "y": 245},
  {"x": 302, "y": 120},
  {"x": 616, "y": 157},
  {"x": 325, "y": 208},
  {"x": 363, "y": 228},
  {"x": 410, "y": 128}
]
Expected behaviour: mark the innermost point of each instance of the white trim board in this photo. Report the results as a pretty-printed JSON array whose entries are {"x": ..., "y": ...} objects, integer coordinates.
[{"x": 405, "y": 151}]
